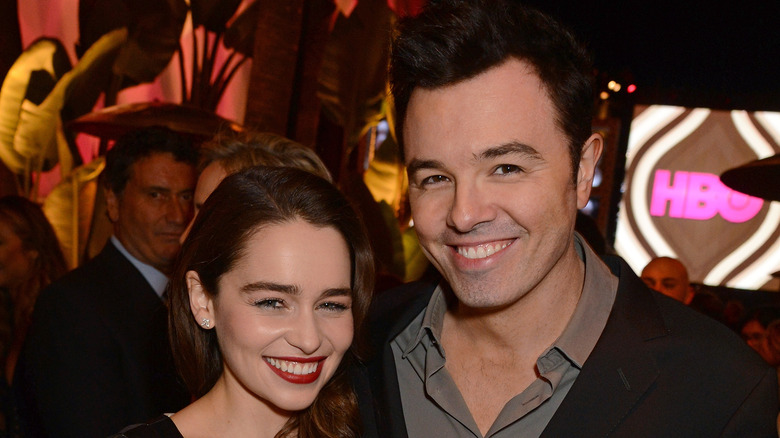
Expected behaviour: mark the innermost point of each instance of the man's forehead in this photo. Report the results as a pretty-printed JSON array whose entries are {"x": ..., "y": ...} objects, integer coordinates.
[
  {"x": 163, "y": 170},
  {"x": 506, "y": 104},
  {"x": 666, "y": 266}
]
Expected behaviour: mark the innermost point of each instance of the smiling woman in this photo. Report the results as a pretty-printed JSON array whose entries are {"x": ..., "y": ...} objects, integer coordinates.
[{"x": 266, "y": 302}]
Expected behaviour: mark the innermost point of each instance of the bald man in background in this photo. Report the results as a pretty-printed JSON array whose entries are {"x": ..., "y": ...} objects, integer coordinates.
[{"x": 669, "y": 277}]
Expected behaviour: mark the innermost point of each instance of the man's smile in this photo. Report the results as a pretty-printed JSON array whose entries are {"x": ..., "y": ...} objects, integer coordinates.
[{"x": 483, "y": 250}]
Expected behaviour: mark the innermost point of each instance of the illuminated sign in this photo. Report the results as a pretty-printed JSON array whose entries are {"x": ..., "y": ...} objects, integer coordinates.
[
  {"x": 699, "y": 196},
  {"x": 674, "y": 203}
]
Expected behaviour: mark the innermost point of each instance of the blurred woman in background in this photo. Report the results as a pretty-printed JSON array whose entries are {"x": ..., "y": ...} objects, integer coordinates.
[{"x": 30, "y": 259}]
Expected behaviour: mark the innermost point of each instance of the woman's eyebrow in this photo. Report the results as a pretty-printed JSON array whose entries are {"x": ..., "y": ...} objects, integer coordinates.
[
  {"x": 271, "y": 286},
  {"x": 336, "y": 292}
]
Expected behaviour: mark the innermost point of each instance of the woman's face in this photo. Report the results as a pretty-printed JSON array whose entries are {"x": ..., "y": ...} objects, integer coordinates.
[
  {"x": 15, "y": 261},
  {"x": 283, "y": 314}
]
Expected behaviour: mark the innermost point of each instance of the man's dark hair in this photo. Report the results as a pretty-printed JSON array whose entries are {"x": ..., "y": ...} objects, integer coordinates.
[
  {"x": 139, "y": 144},
  {"x": 455, "y": 40}
]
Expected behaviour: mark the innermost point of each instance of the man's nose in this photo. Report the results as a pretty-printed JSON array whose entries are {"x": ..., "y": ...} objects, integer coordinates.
[
  {"x": 178, "y": 211},
  {"x": 470, "y": 207}
]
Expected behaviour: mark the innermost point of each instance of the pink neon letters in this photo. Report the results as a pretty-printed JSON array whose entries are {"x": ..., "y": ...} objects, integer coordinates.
[{"x": 700, "y": 196}]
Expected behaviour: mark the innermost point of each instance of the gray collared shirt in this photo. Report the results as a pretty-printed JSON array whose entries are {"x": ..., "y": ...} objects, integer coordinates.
[
  {"x": 156, "y": 279},
  {"x": 433, "y": 405}
]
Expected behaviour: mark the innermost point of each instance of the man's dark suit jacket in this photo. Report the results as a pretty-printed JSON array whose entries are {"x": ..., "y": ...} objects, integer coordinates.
[
  {"x": 659, "y": 369},
  {"x": 97, "y": 356}
]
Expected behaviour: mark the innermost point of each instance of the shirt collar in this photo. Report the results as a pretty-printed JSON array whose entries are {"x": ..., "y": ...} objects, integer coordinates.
[
  {"x": 156, "y": 279},
  {"x": 590, "y": 316},
  {"x": 432, "y": 323}
]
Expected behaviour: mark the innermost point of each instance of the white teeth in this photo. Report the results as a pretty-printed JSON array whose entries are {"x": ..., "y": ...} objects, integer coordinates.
[
  {"x": 481, "y": 251},
  {"x": 296, "y": 368}
]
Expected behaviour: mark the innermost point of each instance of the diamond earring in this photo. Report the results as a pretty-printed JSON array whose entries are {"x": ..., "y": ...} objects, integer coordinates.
[{"x": 206, "y": 323}]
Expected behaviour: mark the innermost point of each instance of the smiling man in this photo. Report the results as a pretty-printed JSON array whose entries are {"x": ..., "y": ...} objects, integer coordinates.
[
  {"x": 97, "y": 357},
  {"x": 529, "y": 333}
]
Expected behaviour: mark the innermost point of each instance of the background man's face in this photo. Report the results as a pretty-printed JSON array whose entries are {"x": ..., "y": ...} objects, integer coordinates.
[
  {"x": 669, "y": 277},
  {"x": 154, "y": 208},
  {"x": 758, "y": 338},
  {"x": 490, "y": 184}
]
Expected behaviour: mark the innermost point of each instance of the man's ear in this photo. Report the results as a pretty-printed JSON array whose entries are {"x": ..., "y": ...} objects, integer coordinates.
[
  {"x": 201, "y": 304},
  {"x": 591, "y": 153},
  {"x": 112, "y": 204},
  {"x": 689, "y": 296}
]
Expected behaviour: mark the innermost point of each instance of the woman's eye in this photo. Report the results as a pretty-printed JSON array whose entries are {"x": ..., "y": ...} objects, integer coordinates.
[
  {"x": 270, "y": 303},
  {"x": 506, "y": 169},
  {"x": 334, "y": 307}
]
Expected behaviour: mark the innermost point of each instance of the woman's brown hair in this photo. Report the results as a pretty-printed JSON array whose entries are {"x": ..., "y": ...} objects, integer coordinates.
[
  {"x": 28, "y": 222},
  {"x": 241, "y": 205}
]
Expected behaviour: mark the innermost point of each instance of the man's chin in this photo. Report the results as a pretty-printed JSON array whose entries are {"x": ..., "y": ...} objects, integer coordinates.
[{"x": 167, "y": 258}]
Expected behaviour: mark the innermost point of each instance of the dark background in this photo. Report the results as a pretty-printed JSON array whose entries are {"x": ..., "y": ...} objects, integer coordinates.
[{"x": 686, "y": 52}]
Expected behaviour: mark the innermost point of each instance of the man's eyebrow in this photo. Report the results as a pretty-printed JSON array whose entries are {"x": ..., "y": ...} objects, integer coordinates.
[
  {"x": 510, "y": 148},
  {"x": 416, "y": 165},
  {"x": 514, "y": 147},
  {"x": 270, "y": 286}
]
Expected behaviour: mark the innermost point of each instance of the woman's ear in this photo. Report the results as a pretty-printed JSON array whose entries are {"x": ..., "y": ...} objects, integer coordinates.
[{"x": 201, "y": 304}]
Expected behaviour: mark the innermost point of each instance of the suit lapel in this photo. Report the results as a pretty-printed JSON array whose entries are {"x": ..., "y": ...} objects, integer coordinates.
[
  {"x": 384, "y": 380},
  {"x": 126, "y": 295},
  {"x": 619, "y": 371}
]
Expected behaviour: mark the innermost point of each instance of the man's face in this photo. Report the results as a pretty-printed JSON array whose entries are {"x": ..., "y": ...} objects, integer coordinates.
[
  {"x": 669, "y": 277},
  {"x": 154, "y": 208},
  {"x": 754, "y": 335},
  {"x": 490, "y": 185}
]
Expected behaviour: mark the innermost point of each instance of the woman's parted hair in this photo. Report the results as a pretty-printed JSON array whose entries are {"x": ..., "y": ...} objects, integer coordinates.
[{"x": 240, "y": 206}]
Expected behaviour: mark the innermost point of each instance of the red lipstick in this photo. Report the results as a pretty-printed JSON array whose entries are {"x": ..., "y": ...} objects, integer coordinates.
[{"x": 301, "y": 379}]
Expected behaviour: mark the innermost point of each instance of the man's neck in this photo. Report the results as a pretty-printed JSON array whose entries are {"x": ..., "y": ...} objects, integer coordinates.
[
  {"x": 491, "y": 354},
  {"x": 533, "y": 322}
]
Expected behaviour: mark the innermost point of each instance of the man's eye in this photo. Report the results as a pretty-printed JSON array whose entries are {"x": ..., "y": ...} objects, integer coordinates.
[
  {"x": 270, "y": 303},
  {"x": 433, "y": 179},
  {"x": 506, "y": 169}
]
